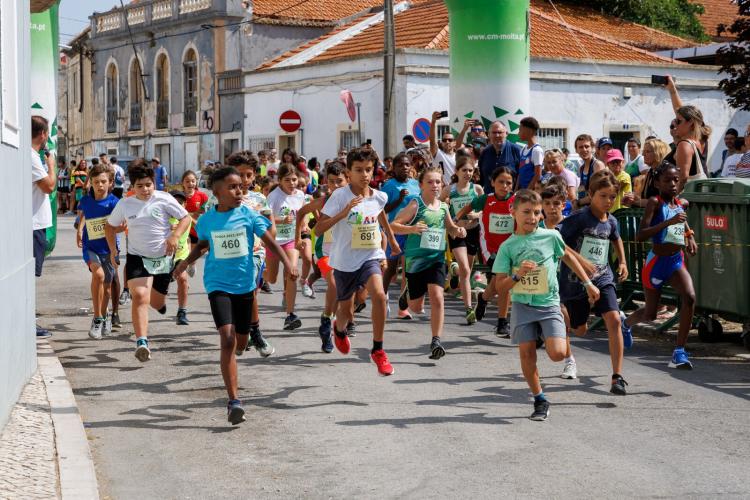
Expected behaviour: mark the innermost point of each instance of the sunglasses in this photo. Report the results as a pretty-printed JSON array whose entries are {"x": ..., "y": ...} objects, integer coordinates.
[{"x": 447, "y": 139}]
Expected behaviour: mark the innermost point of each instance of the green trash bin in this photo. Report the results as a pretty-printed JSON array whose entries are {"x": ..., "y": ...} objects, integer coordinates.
[{"x": 719, "y": 213}]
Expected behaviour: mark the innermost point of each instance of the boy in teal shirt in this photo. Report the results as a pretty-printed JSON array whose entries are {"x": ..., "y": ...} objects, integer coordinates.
[{"x": 526, "y": 265}]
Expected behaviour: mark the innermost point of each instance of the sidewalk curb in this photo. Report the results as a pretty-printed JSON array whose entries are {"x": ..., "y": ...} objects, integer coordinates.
[{"x": 75, "y": 465}]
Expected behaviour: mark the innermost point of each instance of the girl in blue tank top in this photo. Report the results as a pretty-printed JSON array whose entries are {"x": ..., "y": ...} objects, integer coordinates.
[{"x": 665, "y": 224}]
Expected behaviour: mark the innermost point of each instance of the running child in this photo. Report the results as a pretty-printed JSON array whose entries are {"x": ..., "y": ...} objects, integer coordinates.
[
  {"x": 460, "y": 193},
  {"x": 93, "y": 211},
  {"x": 195, "y": 204},
  {"x": 246, "y": 164},
  {"x": 335, "y": 179},
  {"x": 151, "y": 246},
  {"x": 355, "y": 214},
  {"x": 526, "y": 265},
  {"x": 589, "y": 232},
  {"x": 229, "y": 276},
  {"x": 285, "y": 201},
  {"x": 183, "y": 250},
  {"x": 424, "y": 221},
  {"x": 496, "y": 228},
  {"x": 665, "y": 223}
]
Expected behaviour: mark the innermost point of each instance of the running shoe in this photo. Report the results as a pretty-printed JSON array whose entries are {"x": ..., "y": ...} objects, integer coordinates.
[
  {"x": 437, "y": 350},
  {"x": 307, "y": 290},
  {"x": 481, "y": 307},
  {"x": 570, "y": 370},
  {"x": 265, "y": 287},
  {"x": 124, "y": 297},
  {"x": 360, "y": 307},
  {"x": 351, "y": 329},
  {"x": 107, "y": 326},
  {"x": 403, "y": 299},
  {"x": 324, "y": 330},
  {"x": 453, "y": 269},
  {"x": 404, "y": 314},
  {"x": 142, "y": 352},
  {"x": 680, "y": 359},
  {"x": 541, "y": 410},
  {"x": 342, "y": 341},
  {"x": 627, "y": 332},
  {"x": 618, "y": 386},
  {"x": 42, "y": 332},
  {"x": 261, "y": 344},
  {"x": 235, "y": 412},
  {"x": 292, "y": 322},
  {"x": 95, "y": 331},
  {"x": 191, "y": 270},
  {"x": 116, "y": 321},
  {"x": 502, "y": 330},
  {"x": 471, "y": 316},
  {"x": 380, "y": 358},
  {"x": 182, "y": 317}
]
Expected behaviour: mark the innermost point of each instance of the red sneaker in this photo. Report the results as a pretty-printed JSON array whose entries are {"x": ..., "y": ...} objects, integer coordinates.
[
  {"x": 380, "y": 358},
  {"x": 342, "y": 343}
]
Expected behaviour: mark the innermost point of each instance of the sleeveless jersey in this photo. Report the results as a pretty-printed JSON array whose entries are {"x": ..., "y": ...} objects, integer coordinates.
[{"x": 427, "y": 249}]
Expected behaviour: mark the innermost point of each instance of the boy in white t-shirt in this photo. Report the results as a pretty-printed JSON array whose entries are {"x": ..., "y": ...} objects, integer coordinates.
[
  {"x": 151, "y": 246},
  {"x": 356, "y": 216}
]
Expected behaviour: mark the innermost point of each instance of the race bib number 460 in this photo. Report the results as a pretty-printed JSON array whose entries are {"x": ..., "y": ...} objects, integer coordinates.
[
  {"x": 501, "y": 223},
  {"x": 365, "y": 236},
  {"x": 229, "y": 244},
  {"x": 533, "y": 283},
  {"x": 95, "y": 228}
]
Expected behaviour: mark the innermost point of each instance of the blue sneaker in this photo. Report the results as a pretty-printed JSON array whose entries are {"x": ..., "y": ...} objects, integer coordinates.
[
  {"x": 680, "y": 359},
  {"x": 627, "y": 332},
  {"x": 42, "y": 332},
  {"x": 142, "y": 352},
  {"x": 325, "y": 334},
  {"x": 235, "y": 412}
]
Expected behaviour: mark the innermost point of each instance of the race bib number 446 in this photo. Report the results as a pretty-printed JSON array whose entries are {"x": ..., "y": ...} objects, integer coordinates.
[
  {"x": 596, "y": 250},
  {"x": 229, "y": 244},
  {"x": 365, "y": 236}
]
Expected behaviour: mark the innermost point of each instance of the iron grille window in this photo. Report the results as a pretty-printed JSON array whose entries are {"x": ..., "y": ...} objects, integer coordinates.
[
  {"x": 190, "y": 90},
  {"x": 551, "y": 138}
]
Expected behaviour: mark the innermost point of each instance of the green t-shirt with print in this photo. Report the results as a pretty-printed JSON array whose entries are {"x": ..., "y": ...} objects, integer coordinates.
[{"x": 428, "y": 248}]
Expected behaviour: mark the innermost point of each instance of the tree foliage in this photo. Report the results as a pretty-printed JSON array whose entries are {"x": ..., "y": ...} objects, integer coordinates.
[
  {"x": 735, "y": 60},
  {"x": 678, "y": 17}
]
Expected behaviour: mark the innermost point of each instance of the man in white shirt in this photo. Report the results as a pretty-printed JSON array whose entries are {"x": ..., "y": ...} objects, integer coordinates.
[
  {"x": 443, "y": 154},
  {"x": 43, "y": 179}
]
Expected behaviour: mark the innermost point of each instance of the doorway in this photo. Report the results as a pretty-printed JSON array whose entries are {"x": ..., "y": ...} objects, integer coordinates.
[
  {"x": 620, "y": 140},
  {"x": 191, "y": 157},
  {"x": 288, "y": 142}
]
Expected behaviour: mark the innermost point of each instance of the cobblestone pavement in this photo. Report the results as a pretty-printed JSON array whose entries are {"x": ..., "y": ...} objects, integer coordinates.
[{"x": 28, "y": 465}]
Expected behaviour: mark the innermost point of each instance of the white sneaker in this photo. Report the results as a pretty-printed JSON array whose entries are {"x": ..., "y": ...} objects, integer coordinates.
[
  {"x": 191, "y": 270},
  {"x": 307, "y": 291},
  {"x": 95, "y": 332},
  {"x": 107, "y": 326},
  {"x": 570, "y": 371}
]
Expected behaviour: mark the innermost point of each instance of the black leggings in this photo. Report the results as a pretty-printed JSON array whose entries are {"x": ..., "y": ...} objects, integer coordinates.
[{"x": 231, "y": 309}]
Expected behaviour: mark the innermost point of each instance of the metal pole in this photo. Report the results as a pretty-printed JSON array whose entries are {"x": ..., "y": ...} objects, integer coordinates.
[
  {"x": 389, "y": 66},
  {"x": 359, "y": 126}
]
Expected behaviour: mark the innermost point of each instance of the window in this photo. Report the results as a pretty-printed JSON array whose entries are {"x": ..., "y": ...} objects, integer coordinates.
[
  {"x": 551, "y": 138},
  {"x": 349, "y": 139},
  {"x": 9, "y": 114},
  {"x": 162, "y": 92},
  {"x": 136, "y": 95},
  {"x": 190, "y": 88},
  {"x": 231, "y": 146},
  {"x": 136, "y": 151},
  {"x": 111, "y": 98},
  {"x": 442, "y": 130},
  {"x": 261, "y": 143}
]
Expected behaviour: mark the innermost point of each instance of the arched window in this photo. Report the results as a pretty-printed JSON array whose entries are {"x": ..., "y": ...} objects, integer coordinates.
[
  {"x": 111, "y": 98},
  {"x": 190, "y": 88},
  {"x": 136, "y": 95},
  {"x": 162, "y": 91}
]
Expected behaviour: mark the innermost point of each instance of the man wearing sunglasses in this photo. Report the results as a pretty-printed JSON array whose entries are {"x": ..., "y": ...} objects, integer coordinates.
[{"x": 444, "y": 153}]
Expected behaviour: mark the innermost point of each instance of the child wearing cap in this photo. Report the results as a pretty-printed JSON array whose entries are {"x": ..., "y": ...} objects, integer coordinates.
[{"x": 616, "y": 163}]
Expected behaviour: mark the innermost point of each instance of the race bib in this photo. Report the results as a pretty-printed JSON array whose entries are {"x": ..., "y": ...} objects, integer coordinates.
[
  {"x": 433, "y": 239},
  {"x": 675, "y": 234},
  {"x": 534, "y": 283},
  {"x": 501, "y": 223},
  {"x": 458, "y": 203},
  {"x": 328, "y": 236},
  {"x": 365, "y": 236},
  {"x": 596, "y": 250},
  {"x": 229, "y": 244},
  {"x": 95, "y": 228},
  {"x": 285, "y": 232},
  {"x": 159, "y": 265}
]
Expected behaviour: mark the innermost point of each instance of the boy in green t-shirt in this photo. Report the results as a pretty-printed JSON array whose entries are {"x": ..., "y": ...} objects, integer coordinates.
[
  {"x": 183, "y": 250},
  {"x": 526, "y": 265}
]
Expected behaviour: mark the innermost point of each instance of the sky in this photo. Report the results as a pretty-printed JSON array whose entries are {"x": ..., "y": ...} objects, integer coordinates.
[{"x": 74, "y": 15}]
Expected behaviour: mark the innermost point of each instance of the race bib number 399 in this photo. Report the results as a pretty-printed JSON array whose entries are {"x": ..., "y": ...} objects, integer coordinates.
[
  {"x": 229, "y": 244},
  {"x": 433, "y": 239}
]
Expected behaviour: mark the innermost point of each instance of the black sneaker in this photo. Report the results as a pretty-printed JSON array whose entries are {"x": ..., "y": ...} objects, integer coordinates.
[
  {"x": 116, "y": 324},
  {"x": 260, "y": 343},
  {"x": 437, "y": 350},
  {"x": 360, "y": 307},
  {"x": 292, "y": 322},
  {"x": 541, "y": 410},
  {"x": 265, "y": 287},
  {"x": 502, "y": 330},
  {"x": 403, "y": 299},
  {"x": 182, "y": 317},
  {"x": 324, "y": 330},
  {"x": 235, "y": 412},
  {"x": 351, "y": 329},
  {"x": 618, "y": 386},
  {"x": 481, "y": 307}
]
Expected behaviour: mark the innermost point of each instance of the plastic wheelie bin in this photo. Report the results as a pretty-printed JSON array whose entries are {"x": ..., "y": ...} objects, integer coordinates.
[{"x": 719, "y": 213}]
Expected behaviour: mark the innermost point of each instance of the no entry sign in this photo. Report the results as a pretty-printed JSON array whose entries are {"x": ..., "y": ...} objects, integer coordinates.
[
  {"x": 421, "y": 130},
  {"x": 290, "y": 121}
]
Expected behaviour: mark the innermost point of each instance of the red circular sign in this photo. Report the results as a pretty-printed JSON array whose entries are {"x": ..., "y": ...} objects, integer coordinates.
[{"x": 290, "y": 121}]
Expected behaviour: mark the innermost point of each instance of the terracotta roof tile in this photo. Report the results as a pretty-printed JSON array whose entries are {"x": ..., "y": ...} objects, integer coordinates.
[
  {"x": 312, "y": 10},
  {"x": 717, "y": 12}
]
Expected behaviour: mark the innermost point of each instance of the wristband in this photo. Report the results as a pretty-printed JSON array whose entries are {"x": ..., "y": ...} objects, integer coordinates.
[
  {"x": 515, "y": 278},
  {"x": 689, "y": 233},
  {"x": 587, "y": 283}
]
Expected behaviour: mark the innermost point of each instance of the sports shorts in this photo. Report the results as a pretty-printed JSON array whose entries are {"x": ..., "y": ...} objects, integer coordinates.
[
  {"x": 418, "y": 282},
  {"x": 659, "y": 269},
  {"x": 526, "y": 322},
  {"x": 347, "y": 283},
  {"x": 579, "y": 307},
  {"x": 231, "y": 309},
  {"x": 134, "y": 269}
]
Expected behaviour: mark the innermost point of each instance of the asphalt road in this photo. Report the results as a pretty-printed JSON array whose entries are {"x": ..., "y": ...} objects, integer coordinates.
[{"x": 327, "y": 426}]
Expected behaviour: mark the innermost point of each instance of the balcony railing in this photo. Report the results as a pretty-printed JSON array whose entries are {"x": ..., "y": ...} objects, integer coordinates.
[
  {"x": 111, "y": 119},
  {"x": 147, "y": 12},
  {"x": 135, "y": 116},
  {"x": 190, "y": 112},
  {"x": 162, "y": 114}
]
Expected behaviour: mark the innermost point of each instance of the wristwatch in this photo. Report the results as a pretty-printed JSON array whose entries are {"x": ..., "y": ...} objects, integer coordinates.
[{"x": 515, "y": 278}]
